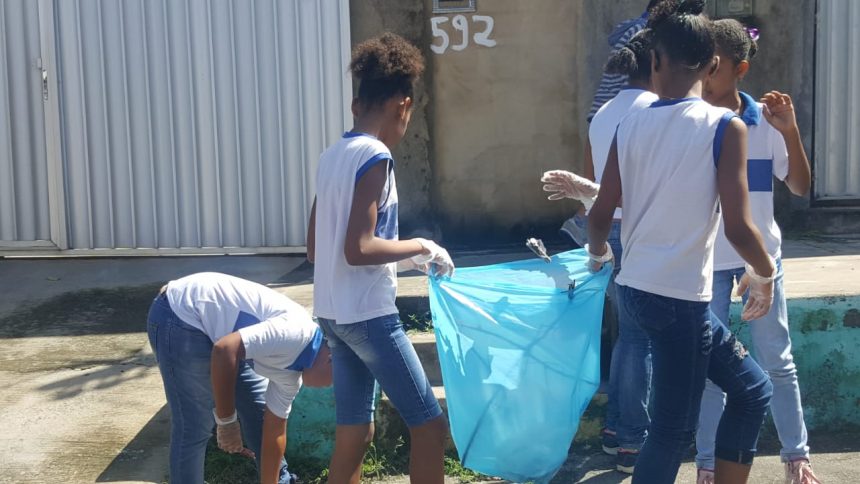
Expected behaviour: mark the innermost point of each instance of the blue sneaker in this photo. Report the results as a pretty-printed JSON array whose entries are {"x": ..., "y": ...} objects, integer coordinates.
[
  {"x": 609, "y": 441},
  {"x": 626, "y": 460}
]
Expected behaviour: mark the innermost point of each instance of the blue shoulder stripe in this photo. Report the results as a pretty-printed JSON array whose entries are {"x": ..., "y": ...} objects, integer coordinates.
[
  {"x": 370, "y": 163},
  {"x": 718, "y": 136}
]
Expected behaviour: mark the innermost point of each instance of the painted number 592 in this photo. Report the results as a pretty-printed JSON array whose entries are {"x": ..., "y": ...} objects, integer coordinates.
[{"x": 484, "y": 28}]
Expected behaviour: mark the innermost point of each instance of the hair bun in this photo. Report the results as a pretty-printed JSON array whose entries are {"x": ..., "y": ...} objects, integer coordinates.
[
  {"x": 691, "y": 7},
  {"x": 386, "y": 56},
  {"x": 666, "y": 9},
  {"x": 623, "y": 61}
]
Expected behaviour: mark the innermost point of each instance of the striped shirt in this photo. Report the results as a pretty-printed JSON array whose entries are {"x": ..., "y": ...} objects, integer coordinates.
[{"x": 610, "y": 84}]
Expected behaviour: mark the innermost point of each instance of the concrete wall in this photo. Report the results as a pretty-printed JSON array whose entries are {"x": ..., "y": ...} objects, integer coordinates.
[
  {"x": 490, "y": 120},
  {"x": 369, "y": 18},
  {"x": 505, "y": 114}
]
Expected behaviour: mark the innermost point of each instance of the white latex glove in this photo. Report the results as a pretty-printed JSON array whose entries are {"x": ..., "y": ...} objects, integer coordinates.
[
  {"x": 230, "y": 436},
  {"x": 596, "y": 262},
  {"x": 434, "y": 256},
  {"x": 564, "y": 184},
  {"x": 760, "y": 293},
  {"x": 406, "y": 265}
]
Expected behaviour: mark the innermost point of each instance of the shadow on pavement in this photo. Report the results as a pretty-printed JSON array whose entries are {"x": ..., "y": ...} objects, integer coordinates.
[
  {"x": 145, "y": 458},
  {"x": 108, "y": 373},
  {"x": 86, "y": 312}
]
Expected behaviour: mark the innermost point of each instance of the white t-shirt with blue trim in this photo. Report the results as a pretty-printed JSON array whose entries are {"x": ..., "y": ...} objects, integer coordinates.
[
  {"x": 767, "y": 158},
  {"x": 344, "y": 293},
  {"x": 667, "y": 156},
  {"x": 278, "y": 334},
  {"x": 605, "y": 123}
]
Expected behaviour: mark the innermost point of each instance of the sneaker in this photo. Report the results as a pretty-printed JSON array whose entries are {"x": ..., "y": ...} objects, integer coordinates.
[
  {"x": 705, "y": 476},
  {"x": 626, "y": 460},
  {"x": 609, "y": 441},
  {"x": 800, "y": 472}
]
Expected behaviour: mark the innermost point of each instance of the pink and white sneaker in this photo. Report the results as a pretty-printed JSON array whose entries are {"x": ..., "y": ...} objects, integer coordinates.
[
  {"x": 800, "y": 472},
  {"x": 705, "y": 476}
]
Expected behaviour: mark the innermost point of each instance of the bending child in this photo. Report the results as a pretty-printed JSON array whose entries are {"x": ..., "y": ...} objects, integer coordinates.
[{"x": 234, "y": 353}]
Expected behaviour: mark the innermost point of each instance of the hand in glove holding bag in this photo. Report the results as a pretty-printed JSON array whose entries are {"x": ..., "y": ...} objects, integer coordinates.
[
  {"x": 564, "y": 184},
  {"x": 433, "y": 255}
]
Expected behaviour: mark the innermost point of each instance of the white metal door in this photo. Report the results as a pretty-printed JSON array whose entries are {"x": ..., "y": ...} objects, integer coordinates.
[
  {"x": 837, "y": 117},
  {"x": 194, "y": 124},
  {"x": 25, "y": 198}
]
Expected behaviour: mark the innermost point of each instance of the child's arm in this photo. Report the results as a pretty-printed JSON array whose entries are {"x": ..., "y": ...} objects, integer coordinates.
[
  {"x": 272, "y": 447},
  {"x": 312, "y": 228},
  {"x": 588, "y": 169},
  {"x": 601, "y": 214},
  {"x": 226, "y": 355},
  {"x": 780, "y": 114},
  {"x": 362, "y": 247}
]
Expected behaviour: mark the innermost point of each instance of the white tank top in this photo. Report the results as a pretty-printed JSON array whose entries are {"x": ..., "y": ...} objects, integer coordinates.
[
  {"x": 345, "y": 293},
  {"x": 606, "y": 121},
  {"x": 667, "y": 157}
]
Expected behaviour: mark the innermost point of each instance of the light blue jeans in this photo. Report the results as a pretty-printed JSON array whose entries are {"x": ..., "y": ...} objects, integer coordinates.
[
  {"x": 771, "y": 345},
  {"x": 184, "y": 353},
  {"x": 630, "y": 367}
]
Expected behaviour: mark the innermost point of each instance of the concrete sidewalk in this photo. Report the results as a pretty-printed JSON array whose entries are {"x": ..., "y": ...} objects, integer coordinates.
[{"x": 83, "y": 402}]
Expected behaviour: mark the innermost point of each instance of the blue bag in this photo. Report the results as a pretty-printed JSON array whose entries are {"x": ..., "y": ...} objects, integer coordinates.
[{"x": 519, "y": 347}]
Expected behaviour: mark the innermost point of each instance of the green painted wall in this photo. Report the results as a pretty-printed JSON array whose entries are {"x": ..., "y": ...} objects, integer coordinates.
[
  {"x": 310, "y": 431},
  {"x": 825, "y": 335}
]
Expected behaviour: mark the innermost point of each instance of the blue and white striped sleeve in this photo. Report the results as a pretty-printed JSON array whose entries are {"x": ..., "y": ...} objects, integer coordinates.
[{"x": 611, "y": 84}]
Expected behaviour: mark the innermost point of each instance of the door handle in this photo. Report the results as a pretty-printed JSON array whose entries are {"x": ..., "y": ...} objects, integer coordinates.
[{"x": 44, "y": 72}]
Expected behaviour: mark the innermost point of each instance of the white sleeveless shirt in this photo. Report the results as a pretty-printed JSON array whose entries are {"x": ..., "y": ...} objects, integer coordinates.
[
  {"x": 605, "y": 123},
  {"x": 667, "y": 156},
  {"x": 345, "y": 293}
]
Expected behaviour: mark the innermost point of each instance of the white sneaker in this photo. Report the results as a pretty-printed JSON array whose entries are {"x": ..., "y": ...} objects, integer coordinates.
[
  {"x": 800, "y": 472},
  {"x": 705, "y": 476}
]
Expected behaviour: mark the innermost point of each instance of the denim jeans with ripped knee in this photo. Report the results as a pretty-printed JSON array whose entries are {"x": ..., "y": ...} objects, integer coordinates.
[{"x": 688, "y": 345}]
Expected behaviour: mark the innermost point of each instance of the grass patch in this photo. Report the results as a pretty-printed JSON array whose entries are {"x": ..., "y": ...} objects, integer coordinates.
[
  {"x": 418, "y": 323},
  {"x": 379, "y": 463},
  {"x": 224, "y": 468}
]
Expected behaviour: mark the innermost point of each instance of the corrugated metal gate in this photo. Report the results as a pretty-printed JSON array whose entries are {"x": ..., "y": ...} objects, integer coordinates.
[
  {"x": 25, "y": 171},
  {"x": 184, "y": 125},
  {"x": 837, "y": 121}
]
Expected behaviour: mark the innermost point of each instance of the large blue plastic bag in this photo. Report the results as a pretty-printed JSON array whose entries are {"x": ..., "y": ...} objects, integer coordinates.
[{"x": 519, "y": 347}]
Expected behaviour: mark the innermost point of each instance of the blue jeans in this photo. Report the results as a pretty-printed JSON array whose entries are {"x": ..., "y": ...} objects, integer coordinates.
[
  {"x": 377, "y": 350},
  {"x": 689, "y": 344},
  {"x": 772, "y": 349},
  {"x": 183, "y": 353},
  {"x": 630, "y": 367}
]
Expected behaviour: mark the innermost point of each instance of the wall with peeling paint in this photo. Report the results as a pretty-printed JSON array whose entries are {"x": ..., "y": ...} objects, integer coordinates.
[{"x": 825, "y": 334}]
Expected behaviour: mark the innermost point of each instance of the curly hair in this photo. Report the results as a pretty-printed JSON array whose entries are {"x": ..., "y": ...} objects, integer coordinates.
[
  {"x": 386, "y": 66},
  {"x": 634, "y": 59},
  {"x": 683, "y": 32},
  {"x": 733, "y": 39}
]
